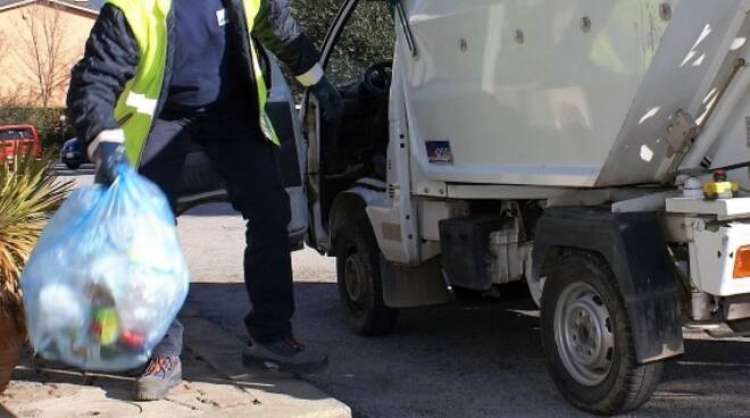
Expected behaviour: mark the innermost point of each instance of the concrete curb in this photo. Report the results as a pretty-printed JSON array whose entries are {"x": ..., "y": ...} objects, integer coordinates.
[{"x": 278, "y": 395}]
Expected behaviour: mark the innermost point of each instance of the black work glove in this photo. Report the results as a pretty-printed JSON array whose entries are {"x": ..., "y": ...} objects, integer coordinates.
[
  {"x": 108, "y": 155},
  {"x": 331, "y": 105}
]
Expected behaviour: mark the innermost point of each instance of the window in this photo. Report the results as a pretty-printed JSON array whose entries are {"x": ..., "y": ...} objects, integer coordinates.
[
  {"x": 367, "y": 38},
  {"x": 15, "y": 133}
]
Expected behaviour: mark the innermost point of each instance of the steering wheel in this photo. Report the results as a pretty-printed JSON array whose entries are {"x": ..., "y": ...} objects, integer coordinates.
[{"x": 377, "y": 79}]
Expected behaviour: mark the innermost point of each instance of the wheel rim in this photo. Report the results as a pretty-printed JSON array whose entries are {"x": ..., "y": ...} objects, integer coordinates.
[
  {"x": 584, "y": 334},
  {"x": 354, "y": 282}
]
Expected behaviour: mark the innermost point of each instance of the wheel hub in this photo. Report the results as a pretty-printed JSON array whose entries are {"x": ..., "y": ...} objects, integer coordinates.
[
  {"x": 584, "y": 335},
  {"x": 354, "y": 278}
]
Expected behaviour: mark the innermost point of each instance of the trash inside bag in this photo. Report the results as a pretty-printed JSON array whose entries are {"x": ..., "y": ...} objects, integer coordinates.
[{"x": 107, "y": 277}]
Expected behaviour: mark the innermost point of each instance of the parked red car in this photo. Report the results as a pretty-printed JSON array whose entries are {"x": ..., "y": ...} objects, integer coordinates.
[{"x": 19, "y": 138}]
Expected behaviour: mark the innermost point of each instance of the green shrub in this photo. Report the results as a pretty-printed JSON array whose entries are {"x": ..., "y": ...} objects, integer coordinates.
[{"x": 369, "y": 36}]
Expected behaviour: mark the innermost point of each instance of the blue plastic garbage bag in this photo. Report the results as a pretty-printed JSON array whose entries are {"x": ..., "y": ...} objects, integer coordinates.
[{"x": 107, "y": 276}]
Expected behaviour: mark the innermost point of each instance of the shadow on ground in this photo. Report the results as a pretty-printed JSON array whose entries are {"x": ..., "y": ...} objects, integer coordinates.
[{"x": 477, "y": 360}]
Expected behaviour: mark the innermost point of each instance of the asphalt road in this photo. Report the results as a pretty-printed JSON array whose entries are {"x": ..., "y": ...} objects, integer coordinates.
[{"x": 450, "y": 361}]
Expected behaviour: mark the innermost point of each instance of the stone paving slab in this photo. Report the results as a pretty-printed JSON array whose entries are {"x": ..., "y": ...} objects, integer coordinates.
[
  {"x": 54, "y": 393},
  {"x": 215, "y": 385}
]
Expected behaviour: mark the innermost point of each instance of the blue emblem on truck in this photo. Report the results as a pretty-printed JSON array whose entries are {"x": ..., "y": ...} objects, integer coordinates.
[{"x": 439, "y": 152}]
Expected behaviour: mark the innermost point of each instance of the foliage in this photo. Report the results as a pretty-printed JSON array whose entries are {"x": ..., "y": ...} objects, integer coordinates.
[
  {"x": 29, "y": 192},
  {"x": 315, "y": 16},
  {"x": 367, "y": 39}
]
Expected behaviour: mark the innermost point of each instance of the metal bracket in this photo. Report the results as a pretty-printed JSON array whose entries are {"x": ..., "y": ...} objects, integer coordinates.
[{"x": 681, "y": 130}]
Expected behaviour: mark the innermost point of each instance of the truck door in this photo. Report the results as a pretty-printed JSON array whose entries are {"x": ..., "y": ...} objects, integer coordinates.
[{"x": 356, "y": 55}]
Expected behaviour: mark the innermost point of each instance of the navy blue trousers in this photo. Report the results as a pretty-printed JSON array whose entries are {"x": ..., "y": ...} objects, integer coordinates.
[{"x": 249, "y": 165}]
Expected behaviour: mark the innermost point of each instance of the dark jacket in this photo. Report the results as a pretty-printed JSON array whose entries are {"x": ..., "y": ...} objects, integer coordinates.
[{"x": 111, "y": 59}]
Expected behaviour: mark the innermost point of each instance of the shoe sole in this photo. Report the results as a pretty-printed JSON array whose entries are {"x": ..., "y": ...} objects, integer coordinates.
[
  {"x": 141, "y": 395},
  {"x": 264, "y": 364}
]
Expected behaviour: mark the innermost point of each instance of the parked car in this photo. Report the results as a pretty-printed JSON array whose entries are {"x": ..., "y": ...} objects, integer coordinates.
[
  {"x": 23, "y": 138},
  {"x": 73, "y": 155}
]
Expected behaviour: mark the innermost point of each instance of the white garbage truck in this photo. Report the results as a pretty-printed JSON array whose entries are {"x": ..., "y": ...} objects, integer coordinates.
[{"x": 595, "y": 150}]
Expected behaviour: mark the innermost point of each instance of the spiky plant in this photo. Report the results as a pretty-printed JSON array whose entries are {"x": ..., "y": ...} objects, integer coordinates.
[{"x": 29, "y": 193}]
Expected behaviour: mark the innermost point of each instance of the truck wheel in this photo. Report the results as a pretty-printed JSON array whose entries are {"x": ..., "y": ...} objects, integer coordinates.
[
  {"x": 359, "y": 281},
  {"x": 73, "y": 166},
  {"x": 588, "y": 341}
]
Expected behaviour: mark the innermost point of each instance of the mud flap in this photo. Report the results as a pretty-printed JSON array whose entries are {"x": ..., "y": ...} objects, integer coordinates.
[
  {"x": 412, "y": 287},
  {"x": 634, "y": 246}
]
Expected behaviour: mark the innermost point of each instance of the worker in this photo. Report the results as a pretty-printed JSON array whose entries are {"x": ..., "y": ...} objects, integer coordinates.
[{"x": 159, "y": 75}]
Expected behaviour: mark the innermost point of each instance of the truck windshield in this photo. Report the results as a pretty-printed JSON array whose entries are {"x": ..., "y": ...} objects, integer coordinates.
[{"x": 15, "y": 133}]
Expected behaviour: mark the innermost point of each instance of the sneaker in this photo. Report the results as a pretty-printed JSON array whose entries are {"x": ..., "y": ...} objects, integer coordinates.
[
  {"x": 286, "y": 355},
  {"x": 161, "y": 375}
]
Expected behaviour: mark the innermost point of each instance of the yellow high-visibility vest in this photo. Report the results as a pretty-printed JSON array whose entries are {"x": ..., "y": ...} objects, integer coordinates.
[{"x": 136, "y": 106}]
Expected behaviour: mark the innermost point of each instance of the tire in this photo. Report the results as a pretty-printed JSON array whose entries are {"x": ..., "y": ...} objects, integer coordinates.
[
  {"x": 359, "y": 279},
  {"x": 73, "y": 166},
  {"x": 588, "y": 341}
]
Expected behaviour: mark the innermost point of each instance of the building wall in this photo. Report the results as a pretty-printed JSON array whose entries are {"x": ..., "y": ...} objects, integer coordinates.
[{"x": 27, "y": 54}]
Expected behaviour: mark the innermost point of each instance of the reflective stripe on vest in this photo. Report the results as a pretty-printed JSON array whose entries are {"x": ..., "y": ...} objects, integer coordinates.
[
  {"x": 252, "y": 7},
  {"x": 136, "y": 107}
]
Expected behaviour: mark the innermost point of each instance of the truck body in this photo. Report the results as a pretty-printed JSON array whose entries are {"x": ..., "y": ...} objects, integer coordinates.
[{"x": 563, "y": 94}]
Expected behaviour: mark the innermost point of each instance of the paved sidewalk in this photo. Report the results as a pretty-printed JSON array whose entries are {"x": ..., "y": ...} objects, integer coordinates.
[{"x": 215, "y": 385}]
